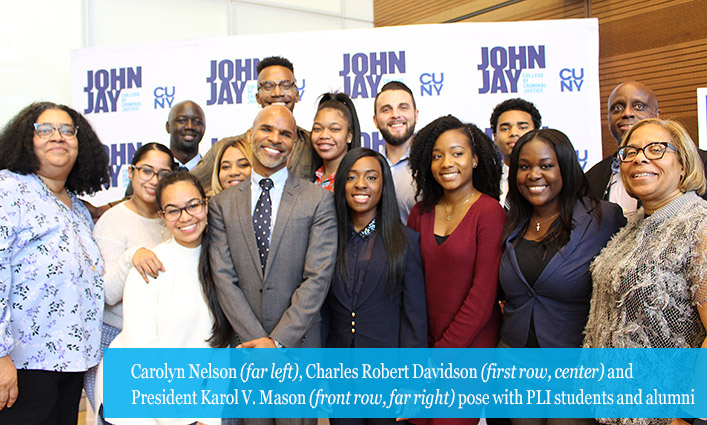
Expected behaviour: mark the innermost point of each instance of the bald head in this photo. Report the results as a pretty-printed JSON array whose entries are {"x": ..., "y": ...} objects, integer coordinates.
[
  {"x": 186, "y": 125},
  {"x": 629, "y": 103},
  {"x": 272, "y": 137}
]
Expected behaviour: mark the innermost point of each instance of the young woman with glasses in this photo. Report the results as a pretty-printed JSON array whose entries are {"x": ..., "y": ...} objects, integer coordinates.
[
  {"x": 650, "y": 282},
  {"x": 178, "y": 309},
  {"x": 126, "y": 233}
]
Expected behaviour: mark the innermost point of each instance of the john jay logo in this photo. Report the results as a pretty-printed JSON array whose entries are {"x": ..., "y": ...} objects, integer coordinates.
[
  {"x": 571, "y": 79},
  {"x": 228, "y": 79},
  {"x": 502, "y": 66},
  {"x": 363, "y": 72},
  {"x": 103, "y": 87},
  {"x": 431, "y": 84},
  {"x": 164, "y": 97}
]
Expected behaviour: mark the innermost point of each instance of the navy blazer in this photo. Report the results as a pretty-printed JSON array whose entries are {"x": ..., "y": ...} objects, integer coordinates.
[
  {"x": 379, "y": 320},
  {"x": 559, "y": 300}
]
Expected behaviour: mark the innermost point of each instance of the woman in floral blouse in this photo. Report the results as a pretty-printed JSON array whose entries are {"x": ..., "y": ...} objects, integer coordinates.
[{"x": 51, "y": 284}]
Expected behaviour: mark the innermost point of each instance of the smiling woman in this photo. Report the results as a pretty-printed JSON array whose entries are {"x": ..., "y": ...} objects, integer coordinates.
[
  {"x": 126, "y": 234},
  {"x": 48, "y": 155},
  {"x": 377, "y": 295},
  {"x": 335, "y": 131},
  {"x": 457, "y": 169},
  {"x": 651, "y": 279},
  {"x": 156, "y": 315}
]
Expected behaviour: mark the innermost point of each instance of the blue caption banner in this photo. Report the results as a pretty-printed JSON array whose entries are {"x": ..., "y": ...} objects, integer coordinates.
[{"x": 405, "y": 383}]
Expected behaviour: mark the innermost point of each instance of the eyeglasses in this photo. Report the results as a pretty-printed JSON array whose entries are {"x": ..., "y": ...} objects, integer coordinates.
[
  {"x": 146, "y": 173},
  {"x": 193, "y": 209},
  {"x": 285, "y": 85},
  {"x": 45, "y": 130},
  {"x": 654, "y": 150}
]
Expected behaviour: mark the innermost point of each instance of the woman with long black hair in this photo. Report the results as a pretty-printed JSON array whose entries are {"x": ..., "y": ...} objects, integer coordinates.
[{"x": 377, "y": 297}]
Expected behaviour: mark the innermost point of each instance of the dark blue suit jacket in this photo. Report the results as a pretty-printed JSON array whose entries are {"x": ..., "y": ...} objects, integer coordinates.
[
  {"x": 379, "y": 320},
  {"x": 559, "y": 300}
]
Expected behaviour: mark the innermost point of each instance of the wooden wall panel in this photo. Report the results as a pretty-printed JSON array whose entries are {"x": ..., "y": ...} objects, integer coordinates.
[{"x": 662, "y": 43}]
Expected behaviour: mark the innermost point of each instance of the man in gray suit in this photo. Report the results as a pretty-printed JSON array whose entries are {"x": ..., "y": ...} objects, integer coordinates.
[{"x": 273, "y": 244}]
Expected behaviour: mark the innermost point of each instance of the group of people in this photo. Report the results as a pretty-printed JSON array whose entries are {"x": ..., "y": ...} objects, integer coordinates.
[{"x": 448, "y": 239}]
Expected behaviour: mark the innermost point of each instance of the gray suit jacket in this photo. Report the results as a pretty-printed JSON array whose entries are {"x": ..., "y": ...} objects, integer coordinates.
[{"x": 284, "y": 303}]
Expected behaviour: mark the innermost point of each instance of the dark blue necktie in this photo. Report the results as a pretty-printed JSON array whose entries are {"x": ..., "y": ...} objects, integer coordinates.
[{"x": 261, "y": 221}]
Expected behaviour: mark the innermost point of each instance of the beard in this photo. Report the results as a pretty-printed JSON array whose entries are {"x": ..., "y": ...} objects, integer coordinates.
[
  {"x": 397, "y": 140},
  {"x": 266, "y": 160}
]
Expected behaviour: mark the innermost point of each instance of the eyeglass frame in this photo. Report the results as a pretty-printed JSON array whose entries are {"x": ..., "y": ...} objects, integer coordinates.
[
  {"x": 278, "y": 84},
  {"x": 153, "y": 173},
  {"x": 666, "y": 145},
  {"x": 181, "y": 210},
  {"x": 55, "y": 129}
]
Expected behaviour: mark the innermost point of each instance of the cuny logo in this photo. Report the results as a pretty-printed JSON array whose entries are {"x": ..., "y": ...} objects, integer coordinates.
[
  {"x": 363, "y": 72},
  {"x": 103, "y": 87},
  {"x": 228, "y": 79},
  {"x": 506, "y": 66}
]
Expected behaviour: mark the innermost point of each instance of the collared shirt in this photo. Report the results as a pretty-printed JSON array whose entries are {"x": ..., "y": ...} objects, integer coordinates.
[
  {"x": 404, "y": 184},
  {"x": 504, "y": 184},
  {"x": 327, "y": 183},
  {"x": 278, "y": 179},
  {"x": 618, "y": 195},
  {"x": 51, "y": 278},
  {"x": 191, "y": 164}
]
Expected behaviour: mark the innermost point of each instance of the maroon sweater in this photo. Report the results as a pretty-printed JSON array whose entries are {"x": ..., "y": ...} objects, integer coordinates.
[{"x": 461, "y": 281}]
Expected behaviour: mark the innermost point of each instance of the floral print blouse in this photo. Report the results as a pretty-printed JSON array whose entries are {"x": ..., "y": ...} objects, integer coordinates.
[{"x": 51, "y": 278}]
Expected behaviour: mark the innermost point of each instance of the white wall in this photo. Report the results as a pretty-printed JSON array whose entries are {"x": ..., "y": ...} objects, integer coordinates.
[{"x": 37, "y": 36}]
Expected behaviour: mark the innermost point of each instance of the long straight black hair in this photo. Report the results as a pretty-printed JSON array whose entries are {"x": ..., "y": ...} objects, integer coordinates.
[
  {"x": 574, "y": 188},
  {"x": 389, "y": 227},
  {"x": 221, "y": 331}
]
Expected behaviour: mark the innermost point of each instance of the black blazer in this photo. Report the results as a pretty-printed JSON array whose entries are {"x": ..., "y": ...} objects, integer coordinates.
[
  {"x": 379, "y": 320},
  {"x": 600, "y": 175}
]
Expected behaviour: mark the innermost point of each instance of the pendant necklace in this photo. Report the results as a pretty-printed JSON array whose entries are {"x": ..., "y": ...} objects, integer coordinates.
[
  {"x": 449, "y": 214},
  {"x": 538, "y": 223}
]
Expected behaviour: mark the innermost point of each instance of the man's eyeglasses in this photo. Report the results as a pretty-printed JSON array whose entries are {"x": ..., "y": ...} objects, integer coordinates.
[
  {"x": 285, "y": 85},
  {"x": 146, "y": 173},
  {"x": 193, "y": 209},
  {"x": 651, "y": 151},
  {"x": 45, "y": 130}
]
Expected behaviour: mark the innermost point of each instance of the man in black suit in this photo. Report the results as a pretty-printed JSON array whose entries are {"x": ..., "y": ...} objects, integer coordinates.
[{"x": 629, "y": 103}]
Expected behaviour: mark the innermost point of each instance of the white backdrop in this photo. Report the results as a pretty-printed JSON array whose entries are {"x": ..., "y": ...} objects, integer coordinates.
[{"x": 463, "y": 69}]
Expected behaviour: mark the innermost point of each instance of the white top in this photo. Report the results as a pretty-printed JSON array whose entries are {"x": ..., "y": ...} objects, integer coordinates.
[
  {"x": 169, "y": 312},
  {"x": 618, "y": 195},
  {"x": 119, "y": 233},
  {"x": 504, "y": 184}
]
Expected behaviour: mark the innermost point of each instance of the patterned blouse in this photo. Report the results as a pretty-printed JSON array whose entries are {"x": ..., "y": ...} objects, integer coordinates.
[
  {"x": 328, "y": 183},
  {"x": 51, "y": 278},
  {"x": 648, "y": 281}
]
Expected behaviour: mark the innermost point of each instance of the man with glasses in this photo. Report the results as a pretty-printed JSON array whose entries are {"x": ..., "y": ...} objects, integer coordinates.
[
  {"x": 276, "y": 86},
  {"x": 629, "y": 103}
]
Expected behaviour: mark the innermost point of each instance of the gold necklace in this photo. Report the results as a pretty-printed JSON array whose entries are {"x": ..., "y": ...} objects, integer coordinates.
[
  {"x": 538, "y": 223},
  {"x": 449, "y": 214}
]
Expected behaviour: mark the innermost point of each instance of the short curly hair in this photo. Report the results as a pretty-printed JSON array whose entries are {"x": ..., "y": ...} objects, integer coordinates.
[
  {"x": 487, "y": 174},
  {"x": 516, "y": 104},
  {"x": 90, "y": 172},
  {"x": 274, "y": 61}
]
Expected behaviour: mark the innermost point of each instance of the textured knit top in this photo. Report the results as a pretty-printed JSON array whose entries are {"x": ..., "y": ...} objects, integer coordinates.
[
  {"x": 649, "y": 280},
  {"x": 119, "y": 233}
]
